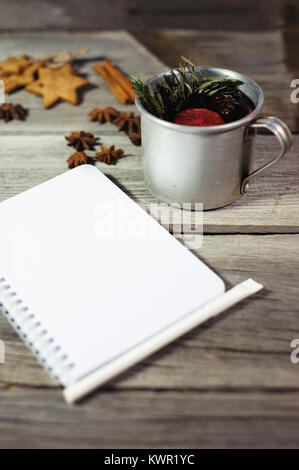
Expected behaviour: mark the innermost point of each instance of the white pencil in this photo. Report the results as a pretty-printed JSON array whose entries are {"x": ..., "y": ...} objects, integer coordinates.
[{"x": 79, "y": 389}]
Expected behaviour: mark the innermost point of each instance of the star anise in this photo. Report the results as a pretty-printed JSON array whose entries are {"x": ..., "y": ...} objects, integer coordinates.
[
  {"x": 78, "y": 158},
  {"x": 107, "y": 155},
  {"x": 122, "y": 121},
  {"x": 9, "y": 111},
  {"x": 130, "y": 124},
  {"x": 134, "y": 130},
  {"x": 135, "y": 138},
  {"x": 101, "y": 115},
  {"x": 81, "y": 140}
]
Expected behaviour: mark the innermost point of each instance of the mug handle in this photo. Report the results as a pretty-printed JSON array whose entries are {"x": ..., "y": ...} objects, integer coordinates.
[{"x": 283, "y": 135}]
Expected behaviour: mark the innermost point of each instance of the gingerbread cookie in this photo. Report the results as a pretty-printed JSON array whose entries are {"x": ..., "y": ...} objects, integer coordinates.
[
  {"x": 35, "y": 87},
  {"x": 13, "y": 82},
  {"x": 14, "y": 65},
  {"x": 57, "y": 84}
]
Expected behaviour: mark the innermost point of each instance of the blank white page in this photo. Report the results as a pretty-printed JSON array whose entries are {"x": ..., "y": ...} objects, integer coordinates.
[{"x": 73, "y": 251}]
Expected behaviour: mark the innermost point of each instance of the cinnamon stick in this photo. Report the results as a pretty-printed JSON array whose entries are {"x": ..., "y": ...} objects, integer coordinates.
[
  {"x": 120, "y": 78},
  {"x": 116, "y": 89}
]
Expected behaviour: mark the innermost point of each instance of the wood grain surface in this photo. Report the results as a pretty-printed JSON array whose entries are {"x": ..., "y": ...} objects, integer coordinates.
[
  {"x": 71, "y": 15},
  {"x": 229, "y": 383}
]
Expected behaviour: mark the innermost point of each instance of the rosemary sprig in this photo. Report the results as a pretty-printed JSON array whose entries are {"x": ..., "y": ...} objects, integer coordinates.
[
  {"x": 152, "y": 103},
  {"x": 179, "y": 86},
  {"x": 212, "y": 85}
]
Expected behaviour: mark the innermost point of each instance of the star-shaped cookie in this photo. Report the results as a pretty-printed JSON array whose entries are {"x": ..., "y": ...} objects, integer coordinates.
[
  {"x": 13, "y": 82},
  {"x": 57, "y": 84},
  {"x": 14, "y": 65}
]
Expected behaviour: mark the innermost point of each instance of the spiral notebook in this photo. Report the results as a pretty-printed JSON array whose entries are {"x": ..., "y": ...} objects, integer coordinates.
[{"x": 86, "y": 275}]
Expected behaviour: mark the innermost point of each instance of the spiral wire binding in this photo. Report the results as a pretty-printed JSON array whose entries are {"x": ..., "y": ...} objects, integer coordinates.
[{"x": 38, "y": 340}]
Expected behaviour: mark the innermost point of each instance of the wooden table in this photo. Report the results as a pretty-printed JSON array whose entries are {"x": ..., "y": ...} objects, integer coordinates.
[{"x": 229, "y": 383}]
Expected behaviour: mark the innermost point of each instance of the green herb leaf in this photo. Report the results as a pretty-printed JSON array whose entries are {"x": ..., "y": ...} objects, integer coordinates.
[{"x": 180, "y": 85}]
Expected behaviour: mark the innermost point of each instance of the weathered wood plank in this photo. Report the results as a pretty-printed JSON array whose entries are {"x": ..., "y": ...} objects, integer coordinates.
[
  {"x": 39, "y": 419},
  {"x": 247, "y": 348},
  {"x": 270, "y": 206},
  {"x": 72, "y": 15}
]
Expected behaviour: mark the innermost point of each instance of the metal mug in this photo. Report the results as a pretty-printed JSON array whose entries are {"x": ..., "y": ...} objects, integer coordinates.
[{"x": 208, "y": 165}]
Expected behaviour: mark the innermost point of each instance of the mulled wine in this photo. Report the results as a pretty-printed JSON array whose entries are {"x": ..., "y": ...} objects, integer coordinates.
[
  {"x": 185, "y": 97},
  {"x": 200, "y": 110}
]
